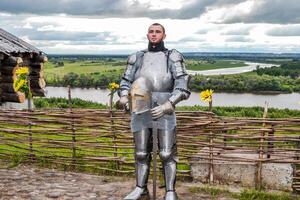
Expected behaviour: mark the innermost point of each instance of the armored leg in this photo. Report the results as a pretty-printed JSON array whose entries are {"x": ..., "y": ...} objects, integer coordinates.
[
  {"x": 142, "y": 140},
  {"x": 167, "y": 153}
]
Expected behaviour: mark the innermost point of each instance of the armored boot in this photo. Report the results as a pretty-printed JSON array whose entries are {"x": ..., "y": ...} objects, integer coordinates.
[
  {"x": 170, "y": 180},
  {"x": 141, "y": 191},
  {"x": 142, "y": 166},
  {"x": 168, "y": 156},
  {"x": 138, "y": 194},
  {"x": 171, "y": 195}
]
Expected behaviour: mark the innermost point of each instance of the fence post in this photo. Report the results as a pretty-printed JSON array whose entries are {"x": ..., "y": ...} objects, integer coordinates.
[
  {"x": 270, "y": 142},
  {"x": 224, "y": 136},
  {"x": 296, "y": 174},
  {"x": 112, "y": 129},
  {"x": 72, "y": 128},
  {"x": 31, "y": 154},
  {"x": 211, "y": 154},
  {"x": 261, "y": 151},
  {"x": 211, "y": 150},
  {"x": 30, "y": 140}
]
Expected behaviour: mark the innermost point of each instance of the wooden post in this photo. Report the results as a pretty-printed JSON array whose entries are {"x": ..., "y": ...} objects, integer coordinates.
[
  {"x": 31, "y": 154},
  {"x": 210, "y": 106},
  {"x": 224, "y": 136},
  {"x": 29, "y": 96},
  {"x": 270, "y": 142},
  {"x": 296, "y": 173},
  {"x": 211, "y": 151},
  {"x": 72, "y": 128},
  {"x": 261, "y": 151},
  {"x": 112, "y": 128},
  {"x": 211, "y": 154}
]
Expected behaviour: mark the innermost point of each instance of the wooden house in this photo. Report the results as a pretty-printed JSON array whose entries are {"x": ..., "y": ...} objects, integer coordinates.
[{"x": 15, "y": 53}]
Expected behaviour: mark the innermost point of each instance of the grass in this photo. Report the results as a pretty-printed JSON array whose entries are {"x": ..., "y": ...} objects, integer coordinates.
[
  {"x": 216, "y": 193},
  {"x": 218, "y": 64},
  {"x": 213, "y": 192},
  {"x": 235, "y": 111},
  {"x": 88, "y": 66},
  {"x": 82, "y": 67},
  {"x": 263, "y": 195}
]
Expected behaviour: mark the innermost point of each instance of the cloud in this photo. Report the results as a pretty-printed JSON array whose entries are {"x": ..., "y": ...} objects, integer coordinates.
[
  {"x": 265, "y": 11},
  {"x": 98, "y": 26},
  {"x": 191, "y": 39},
  {"x": 71, "y": 7},
  {"x": 244, "y": 30},
  {"x": 69, "y": 36},
  {"x": 287, "y": 30},
  {"x": 238, "y": 38},
  {"x": 228, "y": 11},
  {"x": 113, "y": 8}
]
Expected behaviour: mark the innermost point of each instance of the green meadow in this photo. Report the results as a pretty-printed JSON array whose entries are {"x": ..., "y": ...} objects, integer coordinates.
[
  {"x": 82, "y": 66},
  {"x": 200, "y": 65},
  {"x": 94, "y": 66}
]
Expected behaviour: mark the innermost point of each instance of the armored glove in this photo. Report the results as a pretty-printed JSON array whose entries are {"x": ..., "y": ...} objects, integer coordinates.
[
  {"x": 123, "y": 103},
  {"x": 159, "y": 111}
]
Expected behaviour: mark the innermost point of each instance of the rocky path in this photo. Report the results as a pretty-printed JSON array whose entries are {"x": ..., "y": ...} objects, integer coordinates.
[{"x": 28, "y": 182}]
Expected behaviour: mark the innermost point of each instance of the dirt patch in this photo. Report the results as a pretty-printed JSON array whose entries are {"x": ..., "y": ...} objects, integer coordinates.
[{"x": 29, "y": 182}]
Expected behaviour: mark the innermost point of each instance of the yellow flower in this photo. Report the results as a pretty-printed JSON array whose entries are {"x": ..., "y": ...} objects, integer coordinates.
[
  {"x": 22, "y": 70},
  {"x": 19, "y": 84},
  {"x": 206, "y": 95},
  {"x": 113, "y": 86}
]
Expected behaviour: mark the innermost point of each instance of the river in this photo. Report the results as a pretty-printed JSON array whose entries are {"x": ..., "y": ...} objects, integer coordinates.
[{"x": 290, "y": 101}]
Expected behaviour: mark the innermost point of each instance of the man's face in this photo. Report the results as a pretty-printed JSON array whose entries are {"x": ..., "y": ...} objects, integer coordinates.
[{"x": 155, "y": 34}]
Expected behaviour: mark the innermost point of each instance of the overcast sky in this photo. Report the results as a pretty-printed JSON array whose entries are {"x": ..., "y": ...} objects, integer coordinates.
[{"x": 120, "y": 26}]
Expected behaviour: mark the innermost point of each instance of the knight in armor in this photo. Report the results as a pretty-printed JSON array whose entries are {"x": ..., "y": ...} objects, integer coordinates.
[{"x": 154, "y": 81}]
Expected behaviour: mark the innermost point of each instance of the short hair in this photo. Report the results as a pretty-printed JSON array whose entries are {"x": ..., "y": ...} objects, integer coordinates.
[{"x": 158, "y": 24}]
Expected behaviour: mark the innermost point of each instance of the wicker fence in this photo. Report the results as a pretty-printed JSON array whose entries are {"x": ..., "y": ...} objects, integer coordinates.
[{"x": 100, "y": 140}]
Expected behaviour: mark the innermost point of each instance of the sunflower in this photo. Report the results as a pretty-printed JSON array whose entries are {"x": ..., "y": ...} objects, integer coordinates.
[
  {"x": 22, "y": 71},
  {"x": 206, "y": 95},
  {"x": 19, "y": 84},
  {"x": 113, "y": 86}
]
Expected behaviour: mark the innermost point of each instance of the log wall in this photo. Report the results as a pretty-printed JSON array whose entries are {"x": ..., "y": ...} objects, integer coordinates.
[{"x": 8, "y": 67}]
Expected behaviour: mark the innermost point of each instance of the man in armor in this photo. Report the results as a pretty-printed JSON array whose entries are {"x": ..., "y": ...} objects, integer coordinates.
[{"x": 155, "y": 80}]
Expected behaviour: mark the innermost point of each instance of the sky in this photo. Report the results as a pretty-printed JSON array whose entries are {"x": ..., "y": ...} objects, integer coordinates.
[{"x": 120, "y": 26}]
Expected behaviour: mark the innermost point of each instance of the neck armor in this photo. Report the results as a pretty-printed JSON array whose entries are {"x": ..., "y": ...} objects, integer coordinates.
[{"x": 157, "y": 47}]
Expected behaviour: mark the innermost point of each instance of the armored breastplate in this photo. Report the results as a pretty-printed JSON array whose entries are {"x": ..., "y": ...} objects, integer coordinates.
[{"x": 154, "y": 68}]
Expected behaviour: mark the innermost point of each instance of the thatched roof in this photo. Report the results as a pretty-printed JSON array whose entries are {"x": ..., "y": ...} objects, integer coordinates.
[{"x": 11, "y": 44}]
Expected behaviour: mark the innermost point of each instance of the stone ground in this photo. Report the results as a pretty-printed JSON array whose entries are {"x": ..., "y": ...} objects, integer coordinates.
[{"x": 29, "y": 182}]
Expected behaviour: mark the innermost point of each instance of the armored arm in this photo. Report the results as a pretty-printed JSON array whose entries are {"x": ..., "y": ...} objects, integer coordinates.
[
  {"x": 180, "y": 76},
  {"x": 125, "y": 84},
  {"x": 128, "y": 76}
]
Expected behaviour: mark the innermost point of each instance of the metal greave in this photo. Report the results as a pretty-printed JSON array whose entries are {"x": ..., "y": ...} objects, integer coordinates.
[
  {"x": 168, "y": 155},
  {"x": 143, "y": 146}
]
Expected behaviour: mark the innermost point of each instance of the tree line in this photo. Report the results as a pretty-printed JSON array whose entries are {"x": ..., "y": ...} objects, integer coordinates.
[
  {"x": 289, "y": 69},
  {"x": 245, "y": 83}
]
